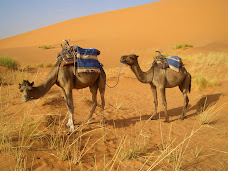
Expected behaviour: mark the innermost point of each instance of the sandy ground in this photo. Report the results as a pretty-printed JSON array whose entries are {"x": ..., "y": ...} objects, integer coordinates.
[{"x": 140, "y": 30}]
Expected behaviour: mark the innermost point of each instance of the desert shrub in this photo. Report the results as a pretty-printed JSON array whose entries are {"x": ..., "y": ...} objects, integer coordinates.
[
  {"x": 8, "y": 62},
  {"x": 46, "y": 47},
  {"x": 41, "y": 65},
  {"x": 180, "y": 46},
  {"x": 202, "y": 82},
  {"x": 208, "y": 59},
  {"x": 208, "y": 114}
]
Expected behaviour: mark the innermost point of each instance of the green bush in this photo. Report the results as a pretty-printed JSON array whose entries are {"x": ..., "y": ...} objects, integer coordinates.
[
  {"x": 203, "y": 82},
  {"x": 182, "y": 46},
  {"x": 46, "y": 47},
  {"x": 8, "y": 62}
]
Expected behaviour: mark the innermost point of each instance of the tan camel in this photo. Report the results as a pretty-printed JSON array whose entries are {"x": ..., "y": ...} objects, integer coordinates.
[
  {"x": 64, "y": 77},
  {"x": 161, "y": 78}
]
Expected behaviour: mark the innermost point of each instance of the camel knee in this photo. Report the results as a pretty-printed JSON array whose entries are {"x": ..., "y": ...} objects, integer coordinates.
[{"x": 187, "y": 101}]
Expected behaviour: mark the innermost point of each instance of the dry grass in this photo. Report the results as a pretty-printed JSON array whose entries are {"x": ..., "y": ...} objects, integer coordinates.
[
  {"x": 181, "y": 46},
  {"x": 46, "y": 47},
  {"x": 133, "y": 148},
  {"x": 8, "y": 62},
  {"x": 41, "y": 65},
  {"x": 208, "y": 59},
  {"x": 196, "y": 152},
  {"x": 171, "y": 153},
  {"x": 208, "y": 114},
  {"x": 202, "y": 82}
]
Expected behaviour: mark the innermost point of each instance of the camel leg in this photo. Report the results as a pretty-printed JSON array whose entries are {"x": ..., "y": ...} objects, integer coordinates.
[
  {"x": 186, "y": 101},
  {"x": 70, "y": 105},
  {"x": 64, "y": 93},
  {"x": 154, "y": 91},
  {"x": 162, "y": 90},
  {"x": 101, "y": 85},
  {"x": 93, "y": 90},
  {"x": 184, "y": 88}
]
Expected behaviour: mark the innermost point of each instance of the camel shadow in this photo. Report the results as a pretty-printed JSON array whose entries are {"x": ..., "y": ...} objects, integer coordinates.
[{"x": 203, "y": 103}]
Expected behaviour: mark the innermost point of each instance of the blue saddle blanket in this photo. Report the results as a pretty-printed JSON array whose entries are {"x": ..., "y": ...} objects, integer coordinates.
[
  {"x": 174, "y": 62},
  {"x": 87, "y": 60}
]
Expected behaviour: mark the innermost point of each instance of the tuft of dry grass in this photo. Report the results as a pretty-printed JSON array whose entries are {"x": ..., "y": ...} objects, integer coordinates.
[
  {"x": 181, "y": 46},
  {"x": 41, "y": 65},
  {"x": 197, "y": 151},
  {"x": 46, "y": 47},
  {"x": 202, "y": 82},
  {"x": 8, "y": 62},
  {"x": 208, "y": 114},
  {"x": 208, "y": 59},
  {"x": 133, "y": 148}
]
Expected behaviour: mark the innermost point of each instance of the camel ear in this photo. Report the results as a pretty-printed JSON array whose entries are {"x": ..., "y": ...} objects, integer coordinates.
[{"x": 32, "y": 83}]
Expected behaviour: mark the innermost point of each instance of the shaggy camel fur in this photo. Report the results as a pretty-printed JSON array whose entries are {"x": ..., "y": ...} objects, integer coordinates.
[
  {"x": 161, "y": 78},
  {"x": 64, "y": 77}
]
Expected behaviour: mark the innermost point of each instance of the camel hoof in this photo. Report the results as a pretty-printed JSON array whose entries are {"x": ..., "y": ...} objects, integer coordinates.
[
  {"x": 182, "y": 117},
  {"x": 167, "y": 121}
]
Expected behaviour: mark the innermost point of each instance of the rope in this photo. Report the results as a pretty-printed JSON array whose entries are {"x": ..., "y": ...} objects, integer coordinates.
[{"x": 117, "y": 79}]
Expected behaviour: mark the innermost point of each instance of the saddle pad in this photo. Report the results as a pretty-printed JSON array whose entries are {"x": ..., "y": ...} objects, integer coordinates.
[
  {"x": 87, "y": 60},
  {"x": 174, "y": 62}
]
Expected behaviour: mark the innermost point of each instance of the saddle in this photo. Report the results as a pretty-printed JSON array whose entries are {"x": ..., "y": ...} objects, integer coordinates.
[
  {"x": 172, "y": 62},
  {"x": 84, "y": 59},
  {"x": 69, "y": 56},
  {"x": 66, "y": 58},
  {"x": 161, "y": 62}
]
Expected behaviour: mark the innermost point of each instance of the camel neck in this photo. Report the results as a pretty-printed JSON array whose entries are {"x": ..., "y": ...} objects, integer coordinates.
[
  {"x": 144, "y": 77},
  {"x": 46, "y": 85}
]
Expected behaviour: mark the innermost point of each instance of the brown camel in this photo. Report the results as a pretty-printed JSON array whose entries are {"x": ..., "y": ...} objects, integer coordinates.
[
  {"x": 161, "y": 78},
  {"x": 64, "y": 77}
]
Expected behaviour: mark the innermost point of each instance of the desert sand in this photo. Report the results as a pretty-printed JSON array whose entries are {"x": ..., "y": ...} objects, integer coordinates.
[{"x": 140, "y": 30}]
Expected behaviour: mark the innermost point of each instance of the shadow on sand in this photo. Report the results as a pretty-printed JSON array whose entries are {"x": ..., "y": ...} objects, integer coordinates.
[{"x": 203, "y": 102}]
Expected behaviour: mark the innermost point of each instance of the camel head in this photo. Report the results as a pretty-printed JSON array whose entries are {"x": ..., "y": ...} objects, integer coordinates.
[
  {"x": 129, "y": 59},
  {"x": 26, "y": 89}
]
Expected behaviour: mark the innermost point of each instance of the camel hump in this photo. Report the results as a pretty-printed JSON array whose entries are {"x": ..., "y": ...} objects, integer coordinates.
[
  {"x": 161, "y": 62},
  {"x": 172, "y": 62}
]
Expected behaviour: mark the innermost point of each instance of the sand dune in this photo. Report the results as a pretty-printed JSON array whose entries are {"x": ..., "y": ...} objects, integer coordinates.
[{"x": 157, "y": 25}]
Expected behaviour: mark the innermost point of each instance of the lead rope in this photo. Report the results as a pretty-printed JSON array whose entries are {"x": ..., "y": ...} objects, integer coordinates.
[{"x": 117, "y": 79}]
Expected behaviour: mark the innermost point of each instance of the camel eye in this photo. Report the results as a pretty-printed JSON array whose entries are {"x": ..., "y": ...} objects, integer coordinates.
[{"x": 21, "y": 90}]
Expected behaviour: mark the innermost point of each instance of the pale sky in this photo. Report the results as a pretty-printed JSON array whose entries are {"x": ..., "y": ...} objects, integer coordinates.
[{"x": 20, "y": 16}]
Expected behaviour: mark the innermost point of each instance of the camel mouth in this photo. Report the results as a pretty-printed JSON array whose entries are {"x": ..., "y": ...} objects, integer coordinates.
[{"x": 122, "y": 60}]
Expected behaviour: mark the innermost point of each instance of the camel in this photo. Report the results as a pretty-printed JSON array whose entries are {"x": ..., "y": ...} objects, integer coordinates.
[
  {"x": 161, "y": 79},
  {"x": 64, "y": 77}
]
